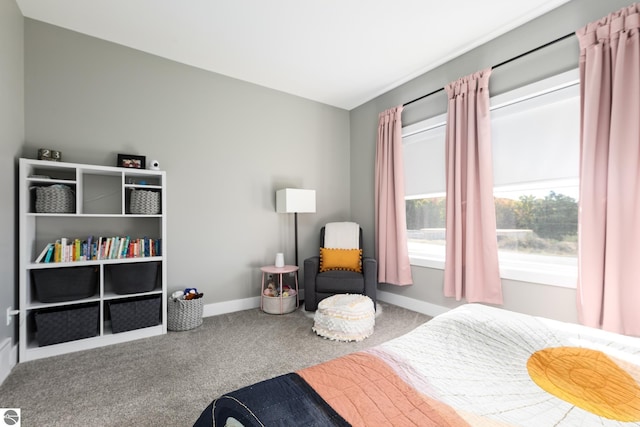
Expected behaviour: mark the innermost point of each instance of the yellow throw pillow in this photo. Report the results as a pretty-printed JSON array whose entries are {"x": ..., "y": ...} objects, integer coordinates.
[{"x": 340, "y": 259}]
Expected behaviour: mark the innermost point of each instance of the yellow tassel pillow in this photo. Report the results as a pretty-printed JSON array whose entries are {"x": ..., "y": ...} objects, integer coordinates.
[{"x": 340, "y": 259}]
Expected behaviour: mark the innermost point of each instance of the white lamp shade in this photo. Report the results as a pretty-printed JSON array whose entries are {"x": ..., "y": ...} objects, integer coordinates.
[{"x": 290, "y": 200}]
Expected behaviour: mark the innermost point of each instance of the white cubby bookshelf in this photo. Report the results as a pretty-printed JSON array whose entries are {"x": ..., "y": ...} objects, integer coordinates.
[{"x": 101, "y": 209}]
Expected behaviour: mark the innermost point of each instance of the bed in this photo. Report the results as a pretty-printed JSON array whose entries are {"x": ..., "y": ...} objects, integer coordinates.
[{"x": 474, "y": 365}]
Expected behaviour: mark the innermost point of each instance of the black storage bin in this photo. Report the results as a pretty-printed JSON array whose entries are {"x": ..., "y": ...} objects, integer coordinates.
[
  {"x": 59, "y": 325},
  {"x": 65, "y": 283},
  {"x": 134, "y": 313},
  {"x": 133, "y": 278}
]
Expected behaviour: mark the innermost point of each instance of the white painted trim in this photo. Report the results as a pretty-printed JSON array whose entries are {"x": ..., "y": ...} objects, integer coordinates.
[
  {"x": 34, "y": 352},
  {"x": 230, "y": 306},
  {"x": 411, "y": 304},
  {"x": 552, "y": 274},
  {"x": 8, "y": 358}
]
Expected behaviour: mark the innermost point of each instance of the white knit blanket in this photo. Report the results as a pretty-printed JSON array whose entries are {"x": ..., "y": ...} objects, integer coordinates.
[{"x": 342, "y": 235}]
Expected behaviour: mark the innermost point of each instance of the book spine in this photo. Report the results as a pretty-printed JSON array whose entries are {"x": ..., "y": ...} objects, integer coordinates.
[
  {"x": 89, "y": 253},
  {"x": 107, "y": 247},
  {"x": 63, "y": 249},
  {"x": 57, "y": 251},
  {"x": 77, "y": 250},
  {"x": 43, "y": 253},
  {"x": 100, "y": 248},
  {"x": 125, "y": 247},
  {"x": 49, "y": 255}
]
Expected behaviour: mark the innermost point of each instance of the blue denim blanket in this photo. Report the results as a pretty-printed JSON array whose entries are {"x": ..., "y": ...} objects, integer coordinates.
[{"x": 286, "y": 400}]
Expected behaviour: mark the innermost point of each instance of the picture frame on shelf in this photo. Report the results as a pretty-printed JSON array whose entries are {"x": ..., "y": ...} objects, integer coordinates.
[{"x": 131, "y": 161}]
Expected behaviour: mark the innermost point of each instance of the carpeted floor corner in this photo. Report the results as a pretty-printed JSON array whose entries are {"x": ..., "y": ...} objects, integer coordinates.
[{"x": 168, "y": 380}]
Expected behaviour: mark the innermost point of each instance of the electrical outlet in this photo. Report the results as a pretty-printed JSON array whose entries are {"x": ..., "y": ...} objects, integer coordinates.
[{"x": 10, "y": 313}]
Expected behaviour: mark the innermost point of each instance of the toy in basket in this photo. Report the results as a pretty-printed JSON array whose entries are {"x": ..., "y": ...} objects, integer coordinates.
[
  {"x": 274, "y": 303},
  {"x": 184, "y": 310}
]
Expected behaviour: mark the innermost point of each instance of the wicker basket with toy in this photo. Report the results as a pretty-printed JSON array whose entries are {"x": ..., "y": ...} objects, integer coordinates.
[{"x": 184, "y": 310}]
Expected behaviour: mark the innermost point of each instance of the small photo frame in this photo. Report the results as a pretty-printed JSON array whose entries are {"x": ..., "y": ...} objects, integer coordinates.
[{"x": 131, "y": 161}]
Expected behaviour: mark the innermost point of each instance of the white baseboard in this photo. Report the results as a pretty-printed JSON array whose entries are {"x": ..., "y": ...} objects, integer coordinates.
[
  {"x": 8, "y": 358},
  {"x": 230, "y": 306},
  {"x": 411, "y": 304},
  {"x": 254, "y": 302}
]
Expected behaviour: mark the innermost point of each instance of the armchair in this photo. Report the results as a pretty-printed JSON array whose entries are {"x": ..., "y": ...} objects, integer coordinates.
[{"x": 320, "y": 285}]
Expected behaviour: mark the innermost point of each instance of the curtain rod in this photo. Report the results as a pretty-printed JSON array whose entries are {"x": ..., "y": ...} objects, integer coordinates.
[{"x": 500, "y": 64}]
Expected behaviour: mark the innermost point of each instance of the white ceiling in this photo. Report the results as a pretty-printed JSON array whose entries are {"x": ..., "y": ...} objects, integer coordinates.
[{"x": 339, "y": 52}]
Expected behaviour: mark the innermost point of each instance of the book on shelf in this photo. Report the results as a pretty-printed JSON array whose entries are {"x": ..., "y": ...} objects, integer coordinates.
[
  {"x": 49, "y": 255},
  {"x": 124, "y": 248},
  {"x": 57, "y": 250},
  {"x": 105, "y": 251},
  {"x": 62, "y": 256},
  {"x": 89, "y": 247},
  {"x": 43, "y": 253},
  {"x": 116, "y": 247}
]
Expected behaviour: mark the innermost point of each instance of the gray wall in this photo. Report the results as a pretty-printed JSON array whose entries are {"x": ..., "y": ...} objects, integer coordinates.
[
  {"x": 226, "y": 145},
  {"x": 11, "y": 140},
  {"x": 529, "y": 298}
]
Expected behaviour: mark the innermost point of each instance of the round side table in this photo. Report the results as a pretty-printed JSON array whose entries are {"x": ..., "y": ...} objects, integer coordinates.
[{"x": 279, "y": 271}]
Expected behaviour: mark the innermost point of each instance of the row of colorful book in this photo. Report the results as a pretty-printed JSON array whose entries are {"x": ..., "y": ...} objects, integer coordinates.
[{"x": 70, "y": 250}]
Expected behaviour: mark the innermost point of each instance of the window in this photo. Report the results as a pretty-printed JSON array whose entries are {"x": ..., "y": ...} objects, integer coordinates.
[{"x": 535, "y": 140}]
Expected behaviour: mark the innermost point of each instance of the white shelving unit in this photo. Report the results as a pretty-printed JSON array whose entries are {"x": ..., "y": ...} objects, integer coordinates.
[{"x": 101, "y": 209}]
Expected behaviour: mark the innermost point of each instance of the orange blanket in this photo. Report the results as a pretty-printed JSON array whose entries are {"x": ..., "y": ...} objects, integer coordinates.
[{"x": 365, "y": 391}]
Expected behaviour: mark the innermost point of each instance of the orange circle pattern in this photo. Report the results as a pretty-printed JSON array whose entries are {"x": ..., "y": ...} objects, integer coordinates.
[{"x": 588, "y": 379}]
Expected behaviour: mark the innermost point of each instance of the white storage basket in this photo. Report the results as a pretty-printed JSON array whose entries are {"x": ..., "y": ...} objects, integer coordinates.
[{"x": 271, "y": 305}]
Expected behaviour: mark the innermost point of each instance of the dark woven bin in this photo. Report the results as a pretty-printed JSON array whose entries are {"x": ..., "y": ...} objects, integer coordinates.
[
  {"x": 130, "y": 314},
  {"x": 65, "y": 284},
  {"x": 131, "y": 278},
  {"x": 55, "y": 326}
]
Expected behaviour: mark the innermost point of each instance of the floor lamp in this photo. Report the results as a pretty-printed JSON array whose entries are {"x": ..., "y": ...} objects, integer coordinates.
[{"x": 294, "y": 200}]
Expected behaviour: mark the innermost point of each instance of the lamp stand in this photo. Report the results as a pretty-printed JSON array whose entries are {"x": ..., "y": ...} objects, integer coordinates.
[{"x": 295, "y": 220}]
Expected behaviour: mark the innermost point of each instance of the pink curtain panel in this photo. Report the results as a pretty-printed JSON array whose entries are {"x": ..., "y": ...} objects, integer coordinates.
[
  {"x": 608, "y": 292},
  {"x": 471, "y": 264},
  {"x": 390, "y": 215}
]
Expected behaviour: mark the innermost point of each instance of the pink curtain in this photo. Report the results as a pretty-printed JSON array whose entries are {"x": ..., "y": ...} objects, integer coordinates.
[
  {"x": 471, "y": 263},
  {"x": 390, "y": 215},
  {"x": 608, "y": 294}
]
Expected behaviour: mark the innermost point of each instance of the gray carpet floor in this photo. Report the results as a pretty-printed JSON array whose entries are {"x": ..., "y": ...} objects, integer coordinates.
[{"x": 168, "y": 380}]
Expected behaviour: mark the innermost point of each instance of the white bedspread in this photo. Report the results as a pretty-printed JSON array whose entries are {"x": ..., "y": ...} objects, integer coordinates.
[{"x": 475, "y": 357}]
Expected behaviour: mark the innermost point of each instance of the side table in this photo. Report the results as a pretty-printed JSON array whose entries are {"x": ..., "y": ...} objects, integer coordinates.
[{"x": 279, "y": 271}]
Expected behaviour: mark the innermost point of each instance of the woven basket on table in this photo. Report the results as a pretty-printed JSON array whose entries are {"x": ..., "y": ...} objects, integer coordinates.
[
  {"x": 145, "y": 202},
  {"x": 184, "y": 314},
  {"x": 55, "y": 198}
]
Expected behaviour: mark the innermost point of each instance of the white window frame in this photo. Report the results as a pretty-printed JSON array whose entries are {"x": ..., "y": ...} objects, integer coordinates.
[{"x": 563, "y": 271}]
